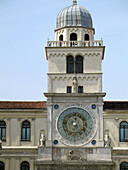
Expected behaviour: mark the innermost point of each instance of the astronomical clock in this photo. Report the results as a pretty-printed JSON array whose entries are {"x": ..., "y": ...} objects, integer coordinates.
[{"x": 75, "y": 126}]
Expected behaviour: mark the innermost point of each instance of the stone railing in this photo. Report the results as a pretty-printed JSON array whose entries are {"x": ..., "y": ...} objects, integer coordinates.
[{"x": 95, "y": 43}]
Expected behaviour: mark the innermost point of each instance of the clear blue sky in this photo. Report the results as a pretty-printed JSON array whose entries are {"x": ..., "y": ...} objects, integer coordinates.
[{"x": 25, "y": 26}]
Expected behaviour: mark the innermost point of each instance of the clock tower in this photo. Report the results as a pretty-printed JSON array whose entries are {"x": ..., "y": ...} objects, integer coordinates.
[{"x": 75, "y": 133}]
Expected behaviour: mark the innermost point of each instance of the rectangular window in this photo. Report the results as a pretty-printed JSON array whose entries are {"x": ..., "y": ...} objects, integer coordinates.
[
  {"x": 80, "y": 89},
  {"x": 69, "y": 89}
]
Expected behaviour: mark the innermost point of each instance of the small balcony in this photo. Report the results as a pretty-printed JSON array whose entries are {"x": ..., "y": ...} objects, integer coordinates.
[{"x": 96, "y": 43}]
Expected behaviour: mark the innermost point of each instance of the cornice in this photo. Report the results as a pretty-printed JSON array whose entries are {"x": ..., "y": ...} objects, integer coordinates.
[{"x": 102, "y": 94}]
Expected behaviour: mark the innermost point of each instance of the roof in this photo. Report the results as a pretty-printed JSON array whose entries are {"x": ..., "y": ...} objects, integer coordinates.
[
  {"x": 23, "y": 105},
  {"x": 108, "y": 105},
  {"x": 115, "y": 105},
  {"x": 74, "y": 15}
]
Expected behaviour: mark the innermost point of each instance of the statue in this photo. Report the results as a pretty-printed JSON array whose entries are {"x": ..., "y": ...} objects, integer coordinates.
[
  {"x": 74, "y": 83},
  {"x": 69, "y": 157},
  {"x": 107, "y": 140},
  {"x": 42, "y": 139}
]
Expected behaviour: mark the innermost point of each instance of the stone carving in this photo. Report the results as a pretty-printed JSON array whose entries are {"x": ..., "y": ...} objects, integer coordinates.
[
  {"x": 74, "y": 85},
  {"x": 75, "y": 156},
  {"x": 42, "y": 139},
  {"x": 107, "y": 140}
]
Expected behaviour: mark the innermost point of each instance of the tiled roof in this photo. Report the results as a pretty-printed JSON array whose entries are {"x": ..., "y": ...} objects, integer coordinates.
[
  {"x": 115, "y": 105},
  {"x": 108, "y": 105},
  {"x": 22, "y": 105}
]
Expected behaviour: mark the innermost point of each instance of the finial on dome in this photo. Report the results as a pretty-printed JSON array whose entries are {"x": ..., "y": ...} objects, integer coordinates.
[{"x": 74, "y": 2}]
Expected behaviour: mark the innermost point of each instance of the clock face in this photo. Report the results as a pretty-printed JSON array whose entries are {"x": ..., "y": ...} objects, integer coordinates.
[{"x": 75, "y": 126}]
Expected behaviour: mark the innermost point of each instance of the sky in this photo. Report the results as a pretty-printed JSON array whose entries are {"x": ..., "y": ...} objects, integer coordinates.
[{"x": 25, "y": 27}]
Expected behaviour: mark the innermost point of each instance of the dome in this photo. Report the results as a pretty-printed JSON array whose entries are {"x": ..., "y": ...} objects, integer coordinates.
[{"x": 74, "y": 16}]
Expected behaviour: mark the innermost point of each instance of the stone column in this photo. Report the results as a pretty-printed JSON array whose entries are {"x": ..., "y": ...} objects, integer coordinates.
[
  {"x": 100, "y": 123},
  {"x": 49, "y": 123},
  {"x": 17, "y": 163},
  {"x": 7, "y": 162}
]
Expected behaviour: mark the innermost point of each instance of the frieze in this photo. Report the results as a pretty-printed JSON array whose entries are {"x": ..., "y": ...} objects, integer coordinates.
[
  {"x": 93, "y": 54},
  {"x": 60, "y": 77}
]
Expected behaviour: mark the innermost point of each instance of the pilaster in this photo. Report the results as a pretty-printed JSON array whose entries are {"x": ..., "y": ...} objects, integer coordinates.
[
  {"x": 49, "y": 123},
  {"x": 8, "y": 132},
  {"x": 17, "y": 163},
  {"x": 32, "y": 164},
  {"x": 18, "y": 131},
  {"x": 32, "y": 131},
  {"x": 100, "y": 123},
  {"x": 7, "y": 163}
]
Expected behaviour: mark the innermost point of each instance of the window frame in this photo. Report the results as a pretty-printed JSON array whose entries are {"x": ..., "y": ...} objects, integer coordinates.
[
  {"x": 22, "y": 166},
  {"x": 69, "y": 87},
  {"x": 78, "y": 64},
  {"x": 1, "y": 131},
  {"x": 85, "y": 37},
  {"x": 120, "y": 133},
  {"x": 70, "y": 65},
  {"x": 73, "y": 36},
  {"x": 2, "y": 168},
  {"x": 123, "y": 168},
  {"x": 80, "y": 87},
  {"x": 26, "y": 139}
]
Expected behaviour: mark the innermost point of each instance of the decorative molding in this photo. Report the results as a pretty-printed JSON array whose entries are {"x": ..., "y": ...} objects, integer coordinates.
[
  {"x": 64, "y": 78},
  {"x": 93, "y": 54}
]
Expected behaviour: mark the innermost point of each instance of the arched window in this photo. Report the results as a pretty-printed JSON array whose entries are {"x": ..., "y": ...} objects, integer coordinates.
[
  {"x": 2, "y": 166},
  {"x": 2, "y": 131},
  {"x": 124, "y": 132},
  {"x": 79, "y": 64},
  {"x": 73, "y": 37},
  {"x": 86, "y": 37},
  {"x": 25, "y": 166},
  {"x": 124, "y": 166},
  {"x": 70, "y": 64},
  {"x": 25, "y": 132},
  {"x": 61, "y": 37}
]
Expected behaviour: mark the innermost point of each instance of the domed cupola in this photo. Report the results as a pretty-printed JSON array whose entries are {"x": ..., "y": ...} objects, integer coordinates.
[{"x": 74, "y": 16}]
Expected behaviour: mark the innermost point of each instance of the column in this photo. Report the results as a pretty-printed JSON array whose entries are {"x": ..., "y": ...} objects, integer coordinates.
[
  {"x": 100, "y": 130},
  {"x": 49, "y": 123}
]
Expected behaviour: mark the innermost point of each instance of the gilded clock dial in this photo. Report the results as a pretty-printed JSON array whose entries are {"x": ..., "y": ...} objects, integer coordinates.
[{"x": 75, "y": 125}]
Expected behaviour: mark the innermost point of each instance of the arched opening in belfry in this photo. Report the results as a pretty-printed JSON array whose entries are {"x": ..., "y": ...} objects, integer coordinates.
[
  {"x": 73, "y": 37},
  {"x": 86, "y": 37},
  {"x": 61, "y": 37}
]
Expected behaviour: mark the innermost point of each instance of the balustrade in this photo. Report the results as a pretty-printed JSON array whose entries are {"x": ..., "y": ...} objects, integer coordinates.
[{"x": 95, "y": 43}]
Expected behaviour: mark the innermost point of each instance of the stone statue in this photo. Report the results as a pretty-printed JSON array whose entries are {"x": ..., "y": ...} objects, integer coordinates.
[
  {"x": 74, "y": 83},
  {"x": 69, "y": 157},
  {"x": 107, "y": 140},
  {"x": 42, "y": 139}
]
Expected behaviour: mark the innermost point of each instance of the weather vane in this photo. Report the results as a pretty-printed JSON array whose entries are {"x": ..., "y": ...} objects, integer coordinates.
[{"x": 74, "y": 2}]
